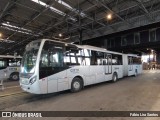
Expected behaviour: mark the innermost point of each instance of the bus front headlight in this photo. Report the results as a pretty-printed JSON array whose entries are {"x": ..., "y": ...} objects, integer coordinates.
[{"x": 32, "y": 80}]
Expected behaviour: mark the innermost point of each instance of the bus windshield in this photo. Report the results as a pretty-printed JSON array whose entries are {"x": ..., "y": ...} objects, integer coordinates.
[{"x": 29, "y": 61}]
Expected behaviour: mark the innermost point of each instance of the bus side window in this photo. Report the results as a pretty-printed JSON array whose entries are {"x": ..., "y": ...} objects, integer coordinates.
[
  {"x": 3, "y": 63},
  {"x": 79, "y": 55},
  {"x": 100, "y": 57},
  {"x": 66, "y": 58},
  {"x": 93, "y": 58},
  {"x": 55, "y": 56},
  {"x": 70, "y": 56},
  {"x": 87, "y": 57},
  {"x": 130, "y": 61},
  {"x": 116, "y": 59}
]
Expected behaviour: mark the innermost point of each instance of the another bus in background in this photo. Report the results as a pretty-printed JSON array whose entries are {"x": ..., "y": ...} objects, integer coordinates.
[{"x": 9, "y": 67}]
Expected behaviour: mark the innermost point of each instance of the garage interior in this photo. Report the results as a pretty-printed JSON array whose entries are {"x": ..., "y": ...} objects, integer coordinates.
[{"x": 125, "y": 26}]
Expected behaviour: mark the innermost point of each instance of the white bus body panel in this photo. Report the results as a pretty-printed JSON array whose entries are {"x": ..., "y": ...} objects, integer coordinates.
[
  {"x": 129, "y": 70},
  {"x": 3, "y": 74},
  {"x": 58, "y": 82},
  {"x": 118, "y": 69},
  {"x": 99, "y": 73},
  {"x": 90, "y": 75}
]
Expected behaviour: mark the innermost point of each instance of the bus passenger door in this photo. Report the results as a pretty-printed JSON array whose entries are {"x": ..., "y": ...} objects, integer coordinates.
[
  {"x": 130, "y": 66},
  {"x": 108, "y": 66}
]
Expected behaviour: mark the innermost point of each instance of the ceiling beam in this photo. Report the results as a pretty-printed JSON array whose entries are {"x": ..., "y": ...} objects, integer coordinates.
[
  {"x": 4, "y": 10},
  {"x": 141, "y": 5},
  {"x": 107, "y": 7}
]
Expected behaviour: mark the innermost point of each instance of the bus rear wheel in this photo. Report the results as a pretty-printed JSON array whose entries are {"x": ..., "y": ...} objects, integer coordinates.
[
  {"x": 114, "y": 77},
  {"x": 14, "y": 76},
  {"x": 76, "y": 85}
]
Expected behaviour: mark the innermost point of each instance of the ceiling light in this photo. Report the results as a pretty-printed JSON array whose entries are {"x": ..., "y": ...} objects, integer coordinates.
[
  {"x": 109, "y": 16},
  {"x": 60, "y": 35},
  {"x": 0, "y": 35}
]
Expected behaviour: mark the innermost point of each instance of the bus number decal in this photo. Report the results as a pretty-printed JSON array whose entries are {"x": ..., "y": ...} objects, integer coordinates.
[
  {"x": 74, "y": 70},
  {"x": 13, "y": 69}
]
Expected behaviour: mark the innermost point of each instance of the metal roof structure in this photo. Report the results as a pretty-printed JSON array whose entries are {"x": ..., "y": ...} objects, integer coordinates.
[{"x": 22, "y": 21}]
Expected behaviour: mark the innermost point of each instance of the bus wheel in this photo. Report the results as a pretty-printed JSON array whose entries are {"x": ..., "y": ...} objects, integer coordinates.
[
  {"x": 14, "y": 76},
  {"x": 136, "y": 73},
  {"x": 115, "y": 77},
  {"x": 76, "y": 84}
]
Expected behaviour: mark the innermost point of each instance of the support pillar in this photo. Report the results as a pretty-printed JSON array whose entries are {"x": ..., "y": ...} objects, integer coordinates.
[{"x": 80, "y": 37}]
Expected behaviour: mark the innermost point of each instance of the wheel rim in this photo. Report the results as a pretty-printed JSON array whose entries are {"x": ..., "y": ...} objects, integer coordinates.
[
  {"x": 76, "y": 85},
  {"x": 14, "y": 77},
  {"x": 115, "y": 78}
]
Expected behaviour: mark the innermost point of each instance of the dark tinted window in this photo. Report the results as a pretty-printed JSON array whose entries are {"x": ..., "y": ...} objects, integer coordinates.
[
  {"x": 137, "y": 60},
  {"x": 51, "y": 56},
  {"x": 52, "y": 59},
  {"x": 134, "y": 60}
]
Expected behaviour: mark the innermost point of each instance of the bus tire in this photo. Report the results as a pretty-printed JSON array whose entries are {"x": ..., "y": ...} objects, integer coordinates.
[
  {"x": 114, "y": 77},
  {"x": 136, "y": 73},
  {"x": 77, "y": 84},
  {"x": 14, "y": 76}
]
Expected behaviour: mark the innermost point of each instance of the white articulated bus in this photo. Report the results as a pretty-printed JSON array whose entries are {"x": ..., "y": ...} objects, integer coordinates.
[
  {"x": 50, "y": 66},
  {"x": 9, "y": 67}
]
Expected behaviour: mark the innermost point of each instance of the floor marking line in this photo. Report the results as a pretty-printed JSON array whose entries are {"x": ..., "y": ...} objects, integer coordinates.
[
  {"x": 11, "y": 94},
  {"x": 12, "y": 87}
]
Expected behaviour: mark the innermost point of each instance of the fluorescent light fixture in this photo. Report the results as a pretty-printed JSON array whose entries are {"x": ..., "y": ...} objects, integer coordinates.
[
  {"x": 70, "y": 8},
  {"x": 10, "y": 27},
  {"x": 53, "y": 9}
]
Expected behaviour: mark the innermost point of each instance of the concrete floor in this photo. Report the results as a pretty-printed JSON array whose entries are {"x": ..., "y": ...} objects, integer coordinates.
[{"x": 141, "y": 93}]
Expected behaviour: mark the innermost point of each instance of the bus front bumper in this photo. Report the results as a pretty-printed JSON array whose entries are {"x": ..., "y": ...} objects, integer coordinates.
[{"x": 30, "y": 88}]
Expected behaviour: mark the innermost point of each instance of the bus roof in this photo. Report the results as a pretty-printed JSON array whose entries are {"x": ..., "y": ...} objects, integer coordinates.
[
  {"x": 85, "y": 47},
  {"x": 134, "y": 55},
  {"x": 9, "y": 56}
]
